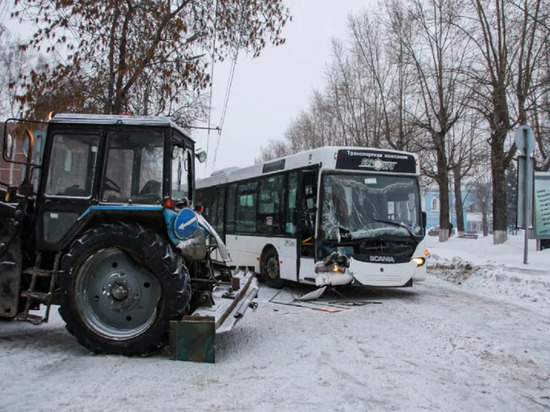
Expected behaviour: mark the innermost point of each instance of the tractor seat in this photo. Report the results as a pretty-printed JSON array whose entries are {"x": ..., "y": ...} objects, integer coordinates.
[
  {"x": 151, "y": 187},
  {"x": 149, "y": 193}
]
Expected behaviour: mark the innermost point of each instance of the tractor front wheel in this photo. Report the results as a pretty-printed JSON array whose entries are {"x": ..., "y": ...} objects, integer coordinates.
[{"x": 121, "y": 286}]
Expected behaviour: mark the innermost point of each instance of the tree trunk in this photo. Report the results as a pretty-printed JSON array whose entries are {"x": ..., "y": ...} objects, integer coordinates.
[
  {"x": 458, "y": 201},
  {"x": 484, "y": 218},
  {"x": 443, "y": 182},
  {"x": 498, "y": 167}
]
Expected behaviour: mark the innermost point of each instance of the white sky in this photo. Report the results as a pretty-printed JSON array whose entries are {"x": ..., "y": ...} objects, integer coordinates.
[{"x": 269, "y": 92}]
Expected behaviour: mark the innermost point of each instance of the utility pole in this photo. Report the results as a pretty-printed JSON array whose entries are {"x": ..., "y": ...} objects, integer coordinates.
[{"x": 525, "y": 142}]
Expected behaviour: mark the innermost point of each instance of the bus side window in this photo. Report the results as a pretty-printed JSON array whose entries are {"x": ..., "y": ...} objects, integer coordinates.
[
  {"x": 199, "y": 199},
  {"x": 208, "y": 202},
  {"x": 246, "y": 207},
  {"x": 272, "y": 193},
  {"x": 231, "y": 200},
  {"x": 218, "y": 211},
  {"x": 290, "y": 218}
]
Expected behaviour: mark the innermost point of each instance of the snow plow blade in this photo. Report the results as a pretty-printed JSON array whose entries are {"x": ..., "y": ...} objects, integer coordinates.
[
  {"x": 193, "y": 338},
  {"x": 231, "y": 301}
]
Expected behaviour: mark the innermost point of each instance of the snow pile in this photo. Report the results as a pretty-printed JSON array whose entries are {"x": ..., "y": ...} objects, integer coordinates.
[
  {"x": 456, "y": 270},
  {"x": 526, "y": 285},
  {"x": 494, "y": 270}
]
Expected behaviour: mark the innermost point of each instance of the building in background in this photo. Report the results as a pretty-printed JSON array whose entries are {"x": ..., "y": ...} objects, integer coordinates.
[{"x": 473, "y": 216}]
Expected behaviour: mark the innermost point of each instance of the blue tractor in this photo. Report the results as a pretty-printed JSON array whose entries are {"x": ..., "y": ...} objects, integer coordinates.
[{"x": 96, "y": 216}]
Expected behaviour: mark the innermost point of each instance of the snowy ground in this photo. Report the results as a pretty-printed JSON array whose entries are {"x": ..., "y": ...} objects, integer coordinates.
[
  {"x": 495, "y": 270},
  {"x": 474, "y": 336}
]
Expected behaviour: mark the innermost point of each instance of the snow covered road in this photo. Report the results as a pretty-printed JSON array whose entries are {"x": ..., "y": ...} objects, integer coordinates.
[{"x": 436, "y": 346}]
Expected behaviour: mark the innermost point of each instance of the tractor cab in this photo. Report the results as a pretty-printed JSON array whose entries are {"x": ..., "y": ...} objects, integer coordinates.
[
  {"x": 103, "y": 167},
  {"x": 99, "y": 220}
]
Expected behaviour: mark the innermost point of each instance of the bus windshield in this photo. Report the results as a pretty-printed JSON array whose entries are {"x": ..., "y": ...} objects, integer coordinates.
[{"x": 360, "y": 206}]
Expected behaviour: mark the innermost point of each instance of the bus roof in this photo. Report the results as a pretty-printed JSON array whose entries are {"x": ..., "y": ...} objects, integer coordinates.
[{"x": 330, "y": 158}]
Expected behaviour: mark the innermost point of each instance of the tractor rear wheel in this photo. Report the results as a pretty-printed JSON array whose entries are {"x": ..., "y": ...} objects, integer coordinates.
[{"x": 121, "y": 286}]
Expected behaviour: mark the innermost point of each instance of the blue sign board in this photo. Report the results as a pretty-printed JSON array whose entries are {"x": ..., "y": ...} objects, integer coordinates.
[{"x": 186, "y": 224}]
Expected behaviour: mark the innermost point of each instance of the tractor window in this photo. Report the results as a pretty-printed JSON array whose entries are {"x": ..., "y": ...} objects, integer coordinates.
[
  {"x": 72, "y": 165},
  {"x": 181, "y": 173},
  {"x": 134, "y": 167}
]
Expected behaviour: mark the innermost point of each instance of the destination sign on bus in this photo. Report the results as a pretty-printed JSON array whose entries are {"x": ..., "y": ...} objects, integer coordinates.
[{"x": 377, "y": 161}]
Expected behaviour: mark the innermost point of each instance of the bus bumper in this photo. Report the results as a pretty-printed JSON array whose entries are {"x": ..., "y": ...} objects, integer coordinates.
[
  {"x": 334, "y": 279},
  {"x": 368, "y": 274},
  {"x": 389, "y": 275}
]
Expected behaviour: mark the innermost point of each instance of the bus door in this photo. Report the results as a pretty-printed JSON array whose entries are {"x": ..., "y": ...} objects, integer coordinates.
[
  {"x": 213, "y": 202},
  {"x": 307, "y": 210}
]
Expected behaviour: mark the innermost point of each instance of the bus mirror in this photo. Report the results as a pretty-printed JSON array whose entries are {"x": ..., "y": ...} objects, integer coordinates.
[
  {"x": 201, "y": 156},
  {"x": 424, "y": 220}
]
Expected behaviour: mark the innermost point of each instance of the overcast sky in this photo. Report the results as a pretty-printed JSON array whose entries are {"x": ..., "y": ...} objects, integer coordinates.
[{"x": 269, "y": 92}]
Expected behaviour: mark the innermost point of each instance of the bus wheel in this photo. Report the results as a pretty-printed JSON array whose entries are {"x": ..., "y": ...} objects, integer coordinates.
[
  {"x": 270, "y": 270},
  {"x": 121, "y": 286}
]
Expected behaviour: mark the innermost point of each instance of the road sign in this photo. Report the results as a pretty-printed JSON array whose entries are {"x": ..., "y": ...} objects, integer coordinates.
[
  {"x": 525, "y": 140},
  {"x": 186, "y": 224},
  {"x": 525, "y": 191}
]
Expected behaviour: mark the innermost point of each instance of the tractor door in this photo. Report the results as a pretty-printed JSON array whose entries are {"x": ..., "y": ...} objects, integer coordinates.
[{"x": 67, "y": 187}]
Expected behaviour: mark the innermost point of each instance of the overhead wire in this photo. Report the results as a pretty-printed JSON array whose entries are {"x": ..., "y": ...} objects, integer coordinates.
[
  {"x": 229, "y": 86},
  {"x": 211, "y": 85},
  {"x": 225, "y": 104}
]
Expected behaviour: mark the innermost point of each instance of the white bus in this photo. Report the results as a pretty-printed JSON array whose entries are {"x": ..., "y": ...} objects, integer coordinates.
[{"x": 327, "y": 216}]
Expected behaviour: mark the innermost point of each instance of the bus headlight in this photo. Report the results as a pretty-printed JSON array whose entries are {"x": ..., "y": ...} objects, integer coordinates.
[
  {"x": 320, "y": 267},
  {"x": 420, "y": 261},
  {"x": 335, "y": 262},
  {"x": 337, "y": 268}
]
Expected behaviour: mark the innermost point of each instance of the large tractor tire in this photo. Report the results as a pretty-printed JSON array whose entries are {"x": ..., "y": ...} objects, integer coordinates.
[{"x": 121, "y": 285}]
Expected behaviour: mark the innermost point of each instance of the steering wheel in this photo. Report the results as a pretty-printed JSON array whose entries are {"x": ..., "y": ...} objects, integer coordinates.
[{"x": 110, "y": 184}]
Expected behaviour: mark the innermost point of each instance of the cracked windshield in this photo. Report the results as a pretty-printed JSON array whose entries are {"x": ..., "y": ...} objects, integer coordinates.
[{"x": 363, "y": 206}]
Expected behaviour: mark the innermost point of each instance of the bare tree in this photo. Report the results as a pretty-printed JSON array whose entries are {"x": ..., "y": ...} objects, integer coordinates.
[
  {"x": 401, "y": 31},
  {"x": 273, "y": 150},
  {"x": 110, "y": 48},
  {"x": 482, "y": 191},
  {"x": 368, "y": 48},
  {"x": 342, "y": 99},
  {"x": 508, "y": 42},
  {"x": 466, "y": 156},
  {"x": 539, "y": 102},
  {"x": 14, "y": 63},
  {"x": 386, "y": 75},
  {"x": 439, "y": 53}
]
